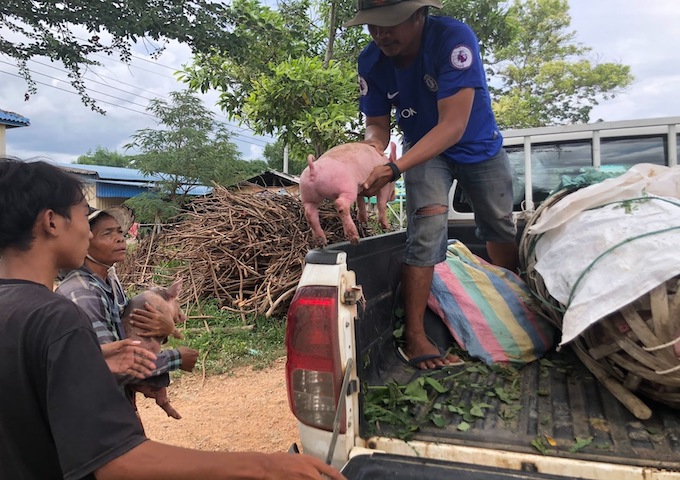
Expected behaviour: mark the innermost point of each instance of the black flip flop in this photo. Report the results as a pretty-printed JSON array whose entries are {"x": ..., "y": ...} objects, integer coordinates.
[{"x": 424, "y": 358}]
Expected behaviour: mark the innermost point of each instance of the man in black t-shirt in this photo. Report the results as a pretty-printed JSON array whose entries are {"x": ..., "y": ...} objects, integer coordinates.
[{"x": 61, "y": 413}]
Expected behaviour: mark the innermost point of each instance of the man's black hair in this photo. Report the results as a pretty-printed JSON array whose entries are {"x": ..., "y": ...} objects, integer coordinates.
[{"x": 28, "y": 188}]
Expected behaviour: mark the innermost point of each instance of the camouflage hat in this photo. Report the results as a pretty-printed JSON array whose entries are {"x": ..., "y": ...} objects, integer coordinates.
[
  {"x": 123, "y": 215},
  {"x": 388, "y": 13}
]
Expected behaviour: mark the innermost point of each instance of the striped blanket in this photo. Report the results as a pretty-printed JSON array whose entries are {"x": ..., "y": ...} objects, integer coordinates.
[{"x": 488, "y": 310}]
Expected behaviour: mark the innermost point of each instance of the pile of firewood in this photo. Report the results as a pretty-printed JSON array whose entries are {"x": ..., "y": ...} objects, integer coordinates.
[{"x": 244, "y": 249}]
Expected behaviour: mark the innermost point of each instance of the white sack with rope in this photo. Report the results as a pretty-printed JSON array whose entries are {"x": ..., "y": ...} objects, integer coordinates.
[{"x": 597, "y": 261}]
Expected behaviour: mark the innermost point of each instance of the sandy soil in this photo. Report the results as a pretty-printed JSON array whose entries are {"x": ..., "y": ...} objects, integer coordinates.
[{"x": 243, "y": 410}]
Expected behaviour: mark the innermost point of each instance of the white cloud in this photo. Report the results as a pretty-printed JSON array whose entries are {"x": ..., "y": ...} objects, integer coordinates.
[
  {"x": 255, "y": 153},
  {"x": 643, "y": 35}
]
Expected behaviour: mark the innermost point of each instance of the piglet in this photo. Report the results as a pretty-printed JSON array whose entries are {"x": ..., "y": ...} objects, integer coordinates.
[
  {"x": 338, "y": 175},
  {"x": 165, "y": 301}
]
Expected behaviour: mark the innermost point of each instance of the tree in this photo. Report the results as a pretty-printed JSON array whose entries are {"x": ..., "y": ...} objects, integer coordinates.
[
  {"x": 152, "y": 208},
  {"x": 52, "y": 29},
  {"x": 304, "y": 91},
  {"x": 192, "y": 150},
  {"x": 546, "y": 78},
  {"x": 102, "y": 156},
  {"x": 273, "y": 154},
  {"x": 489, "y": 19},
  {"x": 283, "y": 91}
]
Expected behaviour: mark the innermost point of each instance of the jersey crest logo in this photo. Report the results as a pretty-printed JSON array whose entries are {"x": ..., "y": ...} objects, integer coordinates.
[
  {"x": 461, "y": 57},
  {"x": 363, "y": 87},
  {"x": 430, "y": 83}
]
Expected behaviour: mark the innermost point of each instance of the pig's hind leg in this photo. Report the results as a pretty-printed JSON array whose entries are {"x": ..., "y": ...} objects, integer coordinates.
[
  {"x": 362, "y": 216},
  {"x": 343, "y": 204},
  {"x": 312, "y": 216},
  {"x": 381, "y": 200},
  {"x": 160, "y": 394}
]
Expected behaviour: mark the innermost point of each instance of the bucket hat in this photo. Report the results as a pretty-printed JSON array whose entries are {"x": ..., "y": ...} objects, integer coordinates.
[{"x": 387, "y": 13}]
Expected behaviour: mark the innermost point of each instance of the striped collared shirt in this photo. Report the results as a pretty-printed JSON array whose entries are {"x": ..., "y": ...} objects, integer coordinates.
[{"x": 104, "y": 305}]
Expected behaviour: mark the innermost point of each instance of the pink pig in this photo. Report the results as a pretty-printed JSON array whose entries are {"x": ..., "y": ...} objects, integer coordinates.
[
  {"x": 337, "y": 175},
  {"x": 165, "y": 301}
]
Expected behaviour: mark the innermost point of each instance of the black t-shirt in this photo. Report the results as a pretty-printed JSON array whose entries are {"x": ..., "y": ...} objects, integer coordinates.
[{"x": 61, "y": 412}]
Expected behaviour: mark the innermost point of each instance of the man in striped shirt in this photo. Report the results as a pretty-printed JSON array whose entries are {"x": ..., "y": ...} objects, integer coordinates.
[{"x": 96, "y": 289}]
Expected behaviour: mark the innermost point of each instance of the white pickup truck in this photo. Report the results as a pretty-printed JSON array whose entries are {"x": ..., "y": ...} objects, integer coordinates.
[{"x": 550, "y": 419}]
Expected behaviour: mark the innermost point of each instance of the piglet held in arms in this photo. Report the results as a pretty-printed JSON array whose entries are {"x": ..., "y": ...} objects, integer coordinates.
[
  {"x": 338, "y": 175},
  {"x": 165, "y": 301}
]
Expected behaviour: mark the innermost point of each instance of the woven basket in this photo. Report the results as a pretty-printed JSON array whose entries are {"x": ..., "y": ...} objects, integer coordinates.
[{"x": 631, "y": 351}]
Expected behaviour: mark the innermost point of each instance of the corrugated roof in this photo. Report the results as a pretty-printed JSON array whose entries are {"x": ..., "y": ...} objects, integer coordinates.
[
  {"x": 12, "y": 120},
  {"x": 110, "y": 173},
  {"x": 121, "y": 182},
  {"x": 120, "y": 190}
]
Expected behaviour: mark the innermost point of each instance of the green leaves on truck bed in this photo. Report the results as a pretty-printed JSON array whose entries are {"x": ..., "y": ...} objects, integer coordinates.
[{"x": 456, "y": 396}]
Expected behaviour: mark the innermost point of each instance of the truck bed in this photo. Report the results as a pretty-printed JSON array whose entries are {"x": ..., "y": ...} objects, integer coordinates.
[{"x": 560, "y": 408}]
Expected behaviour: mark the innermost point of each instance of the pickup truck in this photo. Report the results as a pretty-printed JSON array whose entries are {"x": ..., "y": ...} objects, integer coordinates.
[{"x": 549, "y": 419}]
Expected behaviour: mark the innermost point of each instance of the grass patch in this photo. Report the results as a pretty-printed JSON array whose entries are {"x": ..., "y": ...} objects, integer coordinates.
[{"x": 227, "y": 345}]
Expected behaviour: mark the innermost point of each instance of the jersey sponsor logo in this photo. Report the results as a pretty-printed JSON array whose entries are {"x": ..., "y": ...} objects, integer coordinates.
[
  {"x": 461, "y": 57},
  {"x": 363, "y": 87},
  {"x": 408, "y": 113},
  {"x": 430, "y": 83},
  {"x": 390, "y": 96}
]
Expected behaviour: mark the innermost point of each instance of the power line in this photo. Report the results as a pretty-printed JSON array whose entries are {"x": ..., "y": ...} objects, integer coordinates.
[
  {"x": 174, "y": 69},
  {"x": 262, "y": 142},
  {"x": 76, "y": 93},
  {"x": 252, "y": 141}
]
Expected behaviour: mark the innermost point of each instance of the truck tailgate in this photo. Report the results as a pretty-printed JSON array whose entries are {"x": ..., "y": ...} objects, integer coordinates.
[{"x": 391, "y": 467}]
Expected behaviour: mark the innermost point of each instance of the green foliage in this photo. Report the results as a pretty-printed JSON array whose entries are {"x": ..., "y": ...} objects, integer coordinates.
[
  {"x": 289, "y": 91},
  {"x": 102, "y": 156},
  {"x": 488, "y": 19},
  {"x": 547, "y": 79},
  {"x": 273, "y": 154},
  {"x": 228, "y": 345},
  {"x": 151, "y": 207},
  {"x": 192, "y": 150},
  {"x": 47, "y": 28},
  {"x": 297, "y": 102},
  {"x": 258, "y": 29}
]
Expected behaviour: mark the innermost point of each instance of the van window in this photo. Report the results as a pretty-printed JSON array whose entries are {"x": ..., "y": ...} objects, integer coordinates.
[
  {"x": 566, "y": 150},
  {"x": 629, "y": 151},
  {"x": 549, "y": 162}
]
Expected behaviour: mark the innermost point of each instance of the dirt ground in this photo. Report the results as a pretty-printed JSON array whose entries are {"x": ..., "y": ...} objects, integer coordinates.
[{"x": 246, "y": 410}]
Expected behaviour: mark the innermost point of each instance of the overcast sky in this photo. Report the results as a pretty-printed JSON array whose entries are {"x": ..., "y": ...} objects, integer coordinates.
[{"x": 641, "y": 34}]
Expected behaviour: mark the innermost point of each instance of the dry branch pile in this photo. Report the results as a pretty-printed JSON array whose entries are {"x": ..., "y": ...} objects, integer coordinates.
[{"x": 244, "y": 249}]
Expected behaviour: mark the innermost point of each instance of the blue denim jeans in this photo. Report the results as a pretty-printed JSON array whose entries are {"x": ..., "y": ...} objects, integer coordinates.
[{"x": 487, "y": 186}]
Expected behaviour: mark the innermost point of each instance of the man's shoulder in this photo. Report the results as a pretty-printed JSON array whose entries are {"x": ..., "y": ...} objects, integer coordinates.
[
  {"x": 80, "y": 281},
  {"x": 37, "y": 303},
  {"x": 369, "y": 56}
]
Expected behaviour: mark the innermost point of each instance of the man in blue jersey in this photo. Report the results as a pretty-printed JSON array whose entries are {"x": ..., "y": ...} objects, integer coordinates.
[{"x": 429, "y": 70}]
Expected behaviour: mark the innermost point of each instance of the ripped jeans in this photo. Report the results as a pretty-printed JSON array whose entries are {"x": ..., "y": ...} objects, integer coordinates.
[{"x": 488, "y": 187}]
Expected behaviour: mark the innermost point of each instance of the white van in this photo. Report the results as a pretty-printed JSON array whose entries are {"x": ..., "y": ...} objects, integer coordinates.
[{"x": 541, "y": 156}]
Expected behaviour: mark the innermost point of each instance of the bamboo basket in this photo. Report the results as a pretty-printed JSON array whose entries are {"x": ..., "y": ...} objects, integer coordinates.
[{"x": 632, "y": 351}]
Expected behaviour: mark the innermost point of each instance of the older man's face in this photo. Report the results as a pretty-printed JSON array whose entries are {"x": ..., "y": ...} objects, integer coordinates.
[{"x": 108, "y": 241}]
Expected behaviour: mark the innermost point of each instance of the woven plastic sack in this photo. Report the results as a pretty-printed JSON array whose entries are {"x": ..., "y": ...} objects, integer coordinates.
[{"x": 488, "y": 310}]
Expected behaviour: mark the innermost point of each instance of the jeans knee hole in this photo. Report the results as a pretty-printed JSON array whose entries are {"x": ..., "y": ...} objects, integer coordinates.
[{"x": 431, "y": 210}]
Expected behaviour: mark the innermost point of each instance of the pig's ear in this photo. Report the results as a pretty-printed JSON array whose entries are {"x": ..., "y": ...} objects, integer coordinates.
[{"x": 174, "y": 289}]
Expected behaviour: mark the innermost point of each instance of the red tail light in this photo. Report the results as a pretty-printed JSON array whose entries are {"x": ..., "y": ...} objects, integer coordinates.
[{"x": 313, "y": 369}]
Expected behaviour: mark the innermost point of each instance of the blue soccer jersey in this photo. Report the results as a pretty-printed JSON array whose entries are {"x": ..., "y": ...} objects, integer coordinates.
[{"x": 449, "y": 59}]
